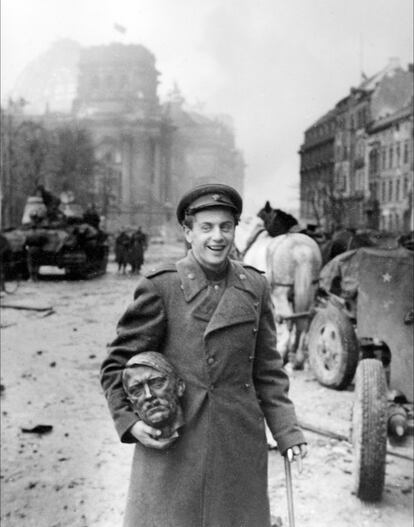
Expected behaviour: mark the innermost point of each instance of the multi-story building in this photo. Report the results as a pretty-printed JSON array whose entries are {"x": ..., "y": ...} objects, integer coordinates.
[
  {"x": 353, "y": 200},
  {"x": 390, "y": 169},
  {"x": 317, "y": 171}
]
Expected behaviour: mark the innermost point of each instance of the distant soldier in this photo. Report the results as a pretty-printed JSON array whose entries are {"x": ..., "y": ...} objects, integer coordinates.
[
  {"x": 122, "y": 247},
  {"x": 139, "y": 245},
  {"x": 91, "y": 216},
  {"x": 35, "y": 239},
  {"x": 51, "y": 201}
]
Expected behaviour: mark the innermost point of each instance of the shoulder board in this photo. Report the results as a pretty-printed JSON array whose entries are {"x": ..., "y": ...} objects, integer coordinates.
[
  {"x": 160, "y": 270},
  {"x": 254, "y": 268}
]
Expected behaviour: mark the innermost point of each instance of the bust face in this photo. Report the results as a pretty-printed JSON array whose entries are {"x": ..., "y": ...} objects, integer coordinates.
[{"x": 154, "y": 395}]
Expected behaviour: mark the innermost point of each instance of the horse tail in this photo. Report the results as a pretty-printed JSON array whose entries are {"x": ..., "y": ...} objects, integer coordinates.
[{"x": 303, "y": 286}]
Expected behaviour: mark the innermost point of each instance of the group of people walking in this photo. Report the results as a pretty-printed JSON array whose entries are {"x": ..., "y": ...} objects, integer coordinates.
[{"x": 129, "y": 250}]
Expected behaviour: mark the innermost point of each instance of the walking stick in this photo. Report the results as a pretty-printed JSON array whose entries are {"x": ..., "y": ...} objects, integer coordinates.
[{"x": 288, "y": 474}]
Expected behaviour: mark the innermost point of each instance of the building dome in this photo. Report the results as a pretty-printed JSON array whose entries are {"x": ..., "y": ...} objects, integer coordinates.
[{"x": 49, "y": 81}]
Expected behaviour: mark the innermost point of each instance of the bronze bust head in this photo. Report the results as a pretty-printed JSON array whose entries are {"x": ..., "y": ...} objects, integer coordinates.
[{"x": 154, "y": 390}]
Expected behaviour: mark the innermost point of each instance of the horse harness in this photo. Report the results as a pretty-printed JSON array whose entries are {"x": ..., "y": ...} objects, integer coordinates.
[
  {"x": 291, "y": 292},
  {"x": 251, "y": 242}
]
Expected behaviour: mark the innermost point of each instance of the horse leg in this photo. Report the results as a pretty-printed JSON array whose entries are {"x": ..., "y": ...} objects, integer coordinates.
[{"x": 296, "y": 352}]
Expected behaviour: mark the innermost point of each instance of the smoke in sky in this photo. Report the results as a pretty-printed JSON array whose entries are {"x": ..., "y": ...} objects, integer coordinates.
[{"x": 274, "y": 65}]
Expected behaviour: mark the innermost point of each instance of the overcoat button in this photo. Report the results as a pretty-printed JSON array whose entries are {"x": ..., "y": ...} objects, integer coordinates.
[
  {"x": 242, "y": 276},
  {"x": 251, "y": 357},
  {"x": 247, "y": 386},
  {"x": 256, "y": 305},
  {"x": 210, "y": 360},
  {"x": 216, "y": 287},
  {"x": 182, "y": 287},
  {"x": 255, "y": 331},
  {"x": 191, "y": 276}
]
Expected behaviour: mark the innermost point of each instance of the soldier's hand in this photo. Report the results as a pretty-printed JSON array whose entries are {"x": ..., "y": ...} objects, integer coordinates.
[
  {"x": 149, "y": 436},
  {"x": 297, "y": 453}
]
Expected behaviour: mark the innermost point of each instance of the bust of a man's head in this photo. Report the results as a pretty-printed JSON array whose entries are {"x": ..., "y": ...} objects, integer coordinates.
[{"x": 154, "y": 390}]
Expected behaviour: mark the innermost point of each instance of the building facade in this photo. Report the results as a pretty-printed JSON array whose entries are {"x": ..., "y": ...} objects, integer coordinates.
[
  {"x": 353, "y": 177},
  {"x": 117, "y": 102},
  {"x": 390, "y": 169},
  {"x": 155, "y": 151},
  {"x": 317, "y": 171},
  {"x": 149, "y": 152}
]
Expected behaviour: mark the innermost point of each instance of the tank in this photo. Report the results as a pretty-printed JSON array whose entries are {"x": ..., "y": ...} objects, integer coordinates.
[{"x": 55, "y": 232}]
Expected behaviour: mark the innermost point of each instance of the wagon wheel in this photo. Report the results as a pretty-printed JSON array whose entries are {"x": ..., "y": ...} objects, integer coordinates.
[
  {"x": 333, "y": 348},
  {"x": 369, "y": 430}
]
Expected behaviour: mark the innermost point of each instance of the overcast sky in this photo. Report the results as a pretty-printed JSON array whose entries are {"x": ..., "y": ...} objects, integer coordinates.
[{"x": 274, "y": 65}]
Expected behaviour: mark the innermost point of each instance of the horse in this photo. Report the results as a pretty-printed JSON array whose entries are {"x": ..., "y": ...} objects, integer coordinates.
[
  {"x": 276, "y": 221},
  {"x": 291, "y": 263},
  {"x": 343, "y": 239}
]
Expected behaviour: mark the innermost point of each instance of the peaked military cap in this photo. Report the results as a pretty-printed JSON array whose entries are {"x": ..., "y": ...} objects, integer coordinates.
[{"x": 208, "y": 196}]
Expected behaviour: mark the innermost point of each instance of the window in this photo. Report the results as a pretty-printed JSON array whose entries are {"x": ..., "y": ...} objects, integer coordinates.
[
  {"x": 405, "y": 187},
  {"x": 390, "y": 157},
  {"x": 345, "y": 153},
  {"x": 384, "y": 157},
  {"x": 390, "y": 189},
  {"x": 383, "y": 192},
  {"x": 405, "y": 152},
  {"x": 397, "y": 154}
]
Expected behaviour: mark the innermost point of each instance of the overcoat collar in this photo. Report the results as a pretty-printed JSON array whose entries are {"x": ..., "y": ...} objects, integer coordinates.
[
  {"x": 193, "y": 279},
  {"x": 238, "y": 304}
]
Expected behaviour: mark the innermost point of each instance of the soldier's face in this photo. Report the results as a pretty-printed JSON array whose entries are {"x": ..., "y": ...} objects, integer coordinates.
[
  {"x": 211, "y": 236},
  {"x": 153, "y": 395}
]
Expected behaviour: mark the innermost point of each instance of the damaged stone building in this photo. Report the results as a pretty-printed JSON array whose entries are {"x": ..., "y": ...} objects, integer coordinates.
[
  {"x": 357, "y": 160},
  {"x": 150, "y": 151}
]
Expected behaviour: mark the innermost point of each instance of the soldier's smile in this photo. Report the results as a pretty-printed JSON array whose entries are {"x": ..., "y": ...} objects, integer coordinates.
[{"x": 211, "y": 236}]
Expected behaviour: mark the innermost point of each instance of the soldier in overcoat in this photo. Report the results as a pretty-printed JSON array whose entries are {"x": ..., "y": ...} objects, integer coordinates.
[{"x": 212, "y": 318}]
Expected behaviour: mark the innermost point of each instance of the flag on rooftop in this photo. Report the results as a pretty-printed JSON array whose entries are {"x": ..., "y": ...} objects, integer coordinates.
[{"x": 119, "y": 28}]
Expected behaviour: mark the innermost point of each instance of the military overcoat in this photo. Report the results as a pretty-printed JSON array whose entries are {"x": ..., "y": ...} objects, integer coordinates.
[{"x": 215, "y": 474}]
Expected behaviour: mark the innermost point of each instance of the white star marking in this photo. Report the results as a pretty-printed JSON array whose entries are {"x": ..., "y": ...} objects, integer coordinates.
[{"x": 386, "y": 277}]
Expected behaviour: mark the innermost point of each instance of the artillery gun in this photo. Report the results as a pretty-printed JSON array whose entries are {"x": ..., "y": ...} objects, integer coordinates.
[
  {"x": 364, "y": 331},
  {"x": 60, "y": 234}
]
